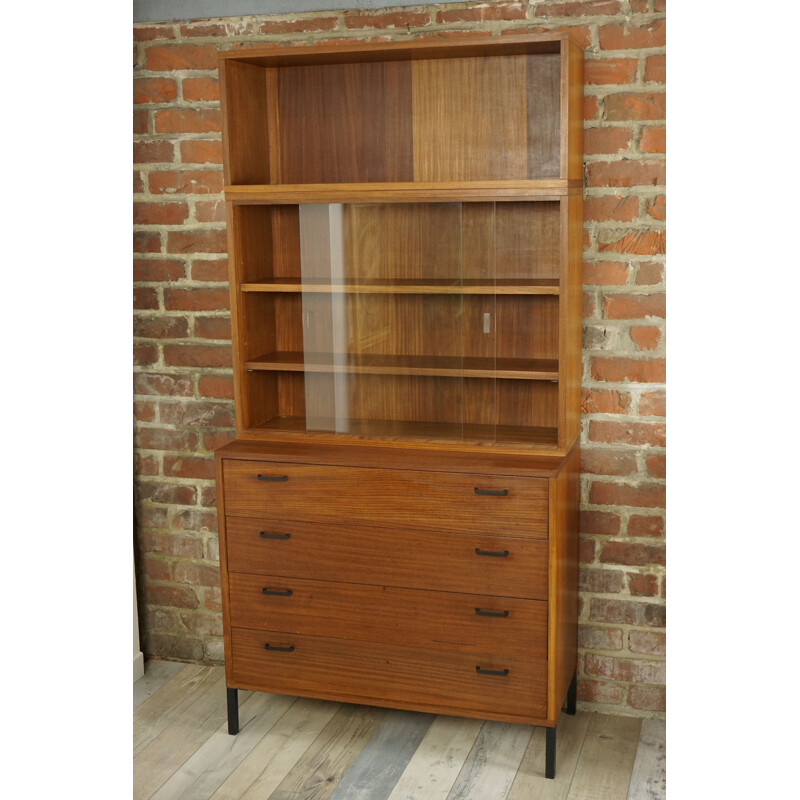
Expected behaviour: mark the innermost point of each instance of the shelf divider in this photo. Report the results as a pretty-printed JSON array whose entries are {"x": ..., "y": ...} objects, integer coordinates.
[{"x": 541, "y": 286}]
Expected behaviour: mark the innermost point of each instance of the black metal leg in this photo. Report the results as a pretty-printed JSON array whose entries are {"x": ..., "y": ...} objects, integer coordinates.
[
  {"x": 233, "y": 711},
  {"x": 550, "y": 754},
  {"x": 572, "y": 695}
]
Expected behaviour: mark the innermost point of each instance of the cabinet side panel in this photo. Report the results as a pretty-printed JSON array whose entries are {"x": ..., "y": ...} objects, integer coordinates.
[
  {"x": 246, "y": 122},
  {"x": 563, "y": 592},
  {"x": 572, "y": 111},
  {"x": 223, "y": 567}
]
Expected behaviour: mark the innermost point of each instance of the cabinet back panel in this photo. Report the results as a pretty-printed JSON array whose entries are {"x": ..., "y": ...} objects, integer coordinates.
[
  {"x": 528, "y": 240},
  {"x": 544, "y": 93},
  {"x": 527, "y": 327},
  {"x": 528, "y": 404},
  {"x": 343, "y": 123}
]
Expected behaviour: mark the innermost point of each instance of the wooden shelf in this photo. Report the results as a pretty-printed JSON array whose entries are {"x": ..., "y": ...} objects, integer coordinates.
[
  {"x": 544, "y": 286},
  {"x": 380, "y": 428},
  {"x": 434, "y": 366},
  {"x": 403, "y": 191}
]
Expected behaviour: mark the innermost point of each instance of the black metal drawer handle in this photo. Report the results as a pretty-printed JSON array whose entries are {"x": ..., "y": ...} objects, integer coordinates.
[
  {"x": 495, "y": 492},
  {"x": 283, "y": 536},
  {"x": 277, "y": 592},
  {"x": 481, "y": 671},
  {"x": 498, "y": 553},
  {"x": 273, "y": 477},
  {"x": 482, "y": 612},
  {"x": 278, "y": 649}
]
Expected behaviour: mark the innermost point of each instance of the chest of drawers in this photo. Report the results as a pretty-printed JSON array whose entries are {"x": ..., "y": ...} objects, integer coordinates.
[{"x": 427, "y": 589}]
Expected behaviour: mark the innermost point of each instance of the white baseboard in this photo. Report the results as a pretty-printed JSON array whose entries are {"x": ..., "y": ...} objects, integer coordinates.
[{"x": 138, "y": 666}]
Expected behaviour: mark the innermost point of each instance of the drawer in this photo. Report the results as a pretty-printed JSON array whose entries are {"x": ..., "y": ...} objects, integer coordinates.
[
  {"x": 468, "y": 563},
  {"x": 440, "y": 681},
  {"x": 467, "y": 623},
  {"x": 442, "y": 501}
]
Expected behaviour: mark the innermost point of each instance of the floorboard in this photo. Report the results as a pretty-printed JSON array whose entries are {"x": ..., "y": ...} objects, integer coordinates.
[{"x": 301, "y": 749}]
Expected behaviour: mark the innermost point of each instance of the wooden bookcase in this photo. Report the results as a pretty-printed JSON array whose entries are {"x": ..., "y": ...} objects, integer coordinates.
[{"x": 405, "y": 233}]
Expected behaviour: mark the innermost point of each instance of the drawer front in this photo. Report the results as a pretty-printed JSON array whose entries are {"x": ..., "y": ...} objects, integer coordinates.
[
  {"x": 386, "y": 674},
  {"x": 469, "y": 563},
  {"x": 437, "y": 620},
  {"x": 441, "y": 501}
]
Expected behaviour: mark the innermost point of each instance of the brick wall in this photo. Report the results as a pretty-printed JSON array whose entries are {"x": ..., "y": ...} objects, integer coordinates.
[{"x": 182, "y": 382}]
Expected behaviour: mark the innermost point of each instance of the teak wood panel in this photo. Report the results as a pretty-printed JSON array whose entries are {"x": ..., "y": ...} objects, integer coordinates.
[
  {"x": 401, "y": 557},
  {"x": 466, "y": 623},
  {"x": 439, "y": 501},
  {"x": 392, "y": 675}
]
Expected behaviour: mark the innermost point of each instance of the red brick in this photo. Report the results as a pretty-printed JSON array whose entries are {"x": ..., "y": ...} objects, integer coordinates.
[
  {"x": 181, "y": 56},
  {"x": 209, "y": 210},
  {"x": 639, "y": 6},
  {"x": 584, "y": 8},
  {"x": 657, "y": 465},
  {"x": 188, "y": 467},
  {"x": 204, "y": 29},
  {"x": 165, "y": 439},
  {"x": 589, "y": 306},
  {"x": 144, "y": 299},
  {"x": 355, "y": 20},
  {"x": 150, "y": 516},
  {"x": 637, "y": 370},
  {"x": 593, "y": 638},
  {"x": 196, "y": 299},
  {"x": 144, "y": 412},
  {"x": 649, "y": 273},
  {"x": 311, "y": 25},
  {"x": 604, "y": 71},
  {"x": 196, "y": 574},
  {"x": 168, "y": 493},
  {"x": 188, "y": 120},
  {"x": 625, "y": 173},
  {"x": 201, "y": 151},
  {"x": 202, "y": 624},
  {"x": 634, "y": 306},
  {"x": 210, "y": 270},
  {"x": 657, "y": 208},
  {"x": 586, "y": 551},
  {"x": 648, "y": 698},
  {"x": 593, "y": 691},
  {"x": 653, "y": 404},
  {"x": 151, "y": 383},
  {"x": 605, "y": 461},
  {"x": 197, "y": 241},
  {"x": 196, "y": 181},
  {"x": 639, "y": 525},
  {"x": 591, "y": 107},
  {"x": 603, "y": 141},
  {"x": 172, "y": 544},
  {"x": 655, "y": 69},
  {"x": 499, "y": 11},
  {"x": 634, "y": 433},
  {"x": 625, "y": 669},
  {"x": 155, "y": 569},
  {"x": 138, "y": 182},
  {"x": 651, "y": 643},
  {"x": 175, "y": 596},
  {"x": 154, "y": 90},
  {"x": 141, "y": 119},
  {"x": 605, "y": 273},
  {"x": 660, "y": 5},
  {"x": 212, "y": 600},
  {"x": 603, "y": 493},
  {"x": 199, "y": 413},
  {"x": 146, "y": 242},
  {"x": 160, "y": 327},
  {"x": 632, "y": 554},
  {"x": 602, "y": 523},
  {"x": 601, "y": 581},
  {"x": 653, "y": 140},
  {"x": 642, "y": 585},
  {"x": 611, "y": 207},
  {"x": 159, "y": 151},
  {"x": 212, "y": 328},
  {"x": 215, "y": 386},
  {"x": 158, "y": 269},
  {"x": 160, "y": 213},
  {"x": 195, "y": 519},
  {"x": 635, "y": 106},
  {"x": 605, "y": 401},
  {"x": 200, "y": 89},
  {"x": 618, "y": 36},
  {"x": 645, "y": 337},
  {"x": 148, "y": 33},
  {"x": 212, "y": 440},
  {"x": 640, "y": 242},
  {"x": 144, "y": 465}
]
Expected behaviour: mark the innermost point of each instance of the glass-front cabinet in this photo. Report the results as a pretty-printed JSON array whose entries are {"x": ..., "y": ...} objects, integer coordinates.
[{"x": 434, "y": 320}]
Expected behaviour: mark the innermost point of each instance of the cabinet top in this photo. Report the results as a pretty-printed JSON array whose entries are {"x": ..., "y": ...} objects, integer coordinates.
[{"x": 345, "y": 52}]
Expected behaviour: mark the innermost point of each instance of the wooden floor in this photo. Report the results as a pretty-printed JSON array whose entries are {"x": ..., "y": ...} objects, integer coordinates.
[{"x": 299, "y": 749}]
